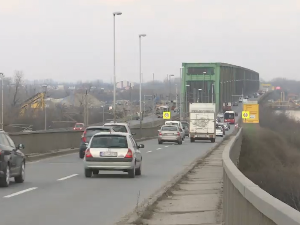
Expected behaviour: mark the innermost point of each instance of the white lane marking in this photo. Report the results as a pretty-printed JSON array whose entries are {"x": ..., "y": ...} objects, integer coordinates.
[
  {"x": 158, "y": 149},
  {"x": 20, "y": 192},
  {"x": 149, "y": 151},
  {"x": 166, "y": 146},
  {"x": 64, "y": 178}
]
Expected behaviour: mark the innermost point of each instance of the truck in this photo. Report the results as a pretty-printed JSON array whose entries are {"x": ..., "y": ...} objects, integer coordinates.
[
  {"x": 202, "y": 121},
  {"x": 227, "y": 106}
]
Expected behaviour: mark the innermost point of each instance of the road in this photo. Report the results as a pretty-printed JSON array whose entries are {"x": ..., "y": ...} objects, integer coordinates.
[{"x": 56, "y": 191}]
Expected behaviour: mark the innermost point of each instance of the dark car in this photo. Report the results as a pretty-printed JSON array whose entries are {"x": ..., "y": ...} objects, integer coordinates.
[
  {"x": 88, "y": 134},
  {"x": 221, "y": 126},
  {"x": 186, "y": 128},
  {"x": 12, "y": 161}
]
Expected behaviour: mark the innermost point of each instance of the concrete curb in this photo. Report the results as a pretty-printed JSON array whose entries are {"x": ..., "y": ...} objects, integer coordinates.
[
  {"x": 39, "y": 156},
  {"x": 134, "y": 216}
]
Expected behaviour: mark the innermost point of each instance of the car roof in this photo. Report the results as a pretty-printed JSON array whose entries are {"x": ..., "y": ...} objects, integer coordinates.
[
  {"x": 113, "y": 134},
  {"x": 93, "y": 127},
  {"x": 168, "y": 125},
  {"x": 111, "y": 124}
]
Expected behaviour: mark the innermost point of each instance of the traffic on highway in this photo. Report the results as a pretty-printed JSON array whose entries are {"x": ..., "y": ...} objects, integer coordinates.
[{"x": 99, "y": 181}]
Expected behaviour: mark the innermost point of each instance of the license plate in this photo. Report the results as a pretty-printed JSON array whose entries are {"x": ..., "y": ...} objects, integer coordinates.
[{"x": 108, "y": 154}]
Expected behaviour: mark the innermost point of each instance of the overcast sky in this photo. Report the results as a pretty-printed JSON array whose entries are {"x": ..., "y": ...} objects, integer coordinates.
[{"x": 70, "y": 40}]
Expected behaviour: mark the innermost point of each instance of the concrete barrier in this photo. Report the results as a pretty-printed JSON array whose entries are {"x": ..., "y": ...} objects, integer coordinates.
[
  {"x": 245, "y": 202},
  {"x": 45, "y": 142}
]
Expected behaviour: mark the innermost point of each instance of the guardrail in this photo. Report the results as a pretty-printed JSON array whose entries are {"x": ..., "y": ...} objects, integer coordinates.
[{"x": 245, "y": 202}]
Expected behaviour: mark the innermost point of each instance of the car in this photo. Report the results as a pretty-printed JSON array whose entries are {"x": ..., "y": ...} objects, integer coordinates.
[
  {"x": 113, "y": 152},
  {"x": 120, "y": 127},
  {"x": 218, "y": 120},
  {"x": 235, "y": 104},
  {"x": 12, "y": 160},
  {"x": 179, "y": 124},
  {"x": 169, "y": 133},
  {"x": 222, "y": 128},
  {"x": 246, "y": 97},
  {"x": 240, "y": 99},
  {"x": 220, "y": 115},
  {"x": 79, "y": 126},
  {"x": 88, "y": 134},
  {"x": 219, "y": 132},
  {"x": 186, "y": 128}
]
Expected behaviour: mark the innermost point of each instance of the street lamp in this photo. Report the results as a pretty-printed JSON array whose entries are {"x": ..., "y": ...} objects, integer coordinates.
[
  {"x": 169, "y": 80},
  {"x": 102, "y": 113},
  {"x": 2, "y": 77},
  {"x": 140, "y": 45},
  {"x": 186, "y": 100},
  {"x": 198, "y": 94},
  {"x": 45, "y": 110},
  {"x": 114, "y": 107},
  {"x": 180, "y": 92}
]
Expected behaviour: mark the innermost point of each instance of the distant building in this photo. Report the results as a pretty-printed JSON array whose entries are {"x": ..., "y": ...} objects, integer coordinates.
[{"x": 124, "y": 84}]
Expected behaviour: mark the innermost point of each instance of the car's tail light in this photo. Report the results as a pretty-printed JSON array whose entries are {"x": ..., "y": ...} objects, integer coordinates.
[
  {"x": 83, "y": 136},
  {"x": 160, "y": 133},
  {"x": 88, "y": 153},
  {"x": 129, "y": 154},
  {"x": 178, "y": 134}
]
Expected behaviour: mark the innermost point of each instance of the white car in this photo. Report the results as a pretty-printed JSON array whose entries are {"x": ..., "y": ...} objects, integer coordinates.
[
  {"x": 113, "y": 151},
  {"x": 219, "y": 132},
  {"x": 220, "y": 115}
]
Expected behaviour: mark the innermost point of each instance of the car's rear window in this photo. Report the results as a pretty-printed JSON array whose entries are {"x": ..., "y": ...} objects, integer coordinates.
[
  {"x": 109, "y": 141},
  {"x": 173, "y": 124},
  {"x": 92, "y": 131},
  {"x": 118, "y": 128},
  {"x": 78, "y": 125},
  {"x": 169, "y": 128}
]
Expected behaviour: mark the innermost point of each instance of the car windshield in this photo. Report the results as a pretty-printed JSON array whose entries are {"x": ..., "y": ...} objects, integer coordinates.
[
  {"x": 169, "y": 128},
  {"x": 184, "y": 124},
  {"x": 119, "y": 128},
  {"x": 173, "y": 124},
  {"x": 109, "y": 141},
  {"x": 92, "y": 131}
]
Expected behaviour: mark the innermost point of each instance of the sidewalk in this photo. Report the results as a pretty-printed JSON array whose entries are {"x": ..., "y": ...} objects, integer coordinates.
[{"x": 196, "y": 200}]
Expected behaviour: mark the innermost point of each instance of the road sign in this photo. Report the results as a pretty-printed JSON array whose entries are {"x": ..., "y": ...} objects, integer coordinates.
[
  {"x": 167, "y": 115},
  {"x": 253, "y": 110},
  {"x": 245, "y": 115}
]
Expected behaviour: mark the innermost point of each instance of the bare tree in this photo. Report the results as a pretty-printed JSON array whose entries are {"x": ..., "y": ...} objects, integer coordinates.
[{"x": 18, "y": 78}]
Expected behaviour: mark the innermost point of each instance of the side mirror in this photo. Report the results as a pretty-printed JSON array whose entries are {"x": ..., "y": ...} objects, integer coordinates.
[
  {"x": 133, "y": 133},
  {"x": 20, "y": 147},
  {"x": 86, "y": 144},
  {"x": 158, "y": 130},
  {"x": 141, "y": 146}
]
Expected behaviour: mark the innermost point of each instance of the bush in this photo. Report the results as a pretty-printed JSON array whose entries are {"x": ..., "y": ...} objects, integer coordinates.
[{"x": 270, "y": 156}]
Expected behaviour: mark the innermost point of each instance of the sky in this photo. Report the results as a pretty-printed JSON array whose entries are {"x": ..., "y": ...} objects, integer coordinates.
[{"x": 72, "y": 40}]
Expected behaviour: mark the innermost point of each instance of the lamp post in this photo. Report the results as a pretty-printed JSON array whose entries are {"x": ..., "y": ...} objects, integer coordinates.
[
  {"x": 169, "y": 80},
  {"x": 186, "y": 100},
  {"x": 45, "y": 108},
  {"x": 199, "y": 95},
  {"x": 114, "y": 106},
  {"x": 212, "y": 92},
  {"x": 140, "y": 45},
  {"x": 180, "y": 94},
  {"x": 102, "y": 113},
  {"x": 2, "y": 123}
]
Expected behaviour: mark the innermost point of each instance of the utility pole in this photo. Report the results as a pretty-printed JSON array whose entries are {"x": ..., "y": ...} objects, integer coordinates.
[
  {"x": 45, "y": 108},
  {"x": 2, "y": 122}
]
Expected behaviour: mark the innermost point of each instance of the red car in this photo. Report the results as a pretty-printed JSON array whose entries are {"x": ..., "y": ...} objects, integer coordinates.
[{"x": 79, "y": 126}]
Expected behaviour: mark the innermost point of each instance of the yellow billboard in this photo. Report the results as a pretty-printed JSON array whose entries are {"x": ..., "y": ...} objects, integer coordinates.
[
  {"x": 253, "y": 110},
  {"x": 266, "y": 85}
]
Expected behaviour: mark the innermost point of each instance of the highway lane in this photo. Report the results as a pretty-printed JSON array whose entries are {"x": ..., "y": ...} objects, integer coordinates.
[{"x": 56, "y": 191}]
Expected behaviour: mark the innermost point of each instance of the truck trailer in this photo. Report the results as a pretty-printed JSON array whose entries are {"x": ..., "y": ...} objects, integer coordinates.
[{"x": 202, "y": 121}]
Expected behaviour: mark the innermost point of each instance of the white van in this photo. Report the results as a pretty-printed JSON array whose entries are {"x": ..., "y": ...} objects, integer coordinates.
[
  {"x": 178, "y": 124},
  {"x": 240, "y": 99}
]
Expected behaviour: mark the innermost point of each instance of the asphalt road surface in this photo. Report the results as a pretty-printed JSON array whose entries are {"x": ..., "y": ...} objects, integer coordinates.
[{"x": 56, "y": 191}]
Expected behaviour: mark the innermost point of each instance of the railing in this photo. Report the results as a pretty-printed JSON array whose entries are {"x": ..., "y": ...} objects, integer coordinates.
[{"x": 245, "y": 203}]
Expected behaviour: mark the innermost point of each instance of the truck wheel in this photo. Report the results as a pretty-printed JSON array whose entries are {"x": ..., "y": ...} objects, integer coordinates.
[
  {"x": 192, "y": 139},
  {"x": 213, "y": 140}
]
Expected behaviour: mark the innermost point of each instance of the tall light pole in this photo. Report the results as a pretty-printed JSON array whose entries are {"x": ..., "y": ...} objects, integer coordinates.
[
  {"x": 199, "y": 95},
  {"x": 115, "y": 80},
  {"x": 204, "y": 73},
  {"x": 212, "y": 92},
  {"x": 140, "y": 45},
  {"x": 169, "y": 80},
  {"x": 180, "y": 96},
  {"x": 103, "y": 113},
  {"x": 186, "y": 100},
  {"x": 45, "y": 108},
  {"x": 176, "y": 98},
  {"x": 2, "y": 122}
]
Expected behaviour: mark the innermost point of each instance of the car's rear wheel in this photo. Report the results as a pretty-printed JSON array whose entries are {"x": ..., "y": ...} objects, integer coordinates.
[
  {"x": 5, "y": 180},
  {"x": 160, "y": 142},
  {"x": 81, "y": 155},
  {"x": 131, "y": 172},
  {"x": 138, "y": 171},
  {"x": 21, "y": 177},
  {"x": 95, "y": 172},
  {"x": 88, "y": 172}
]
